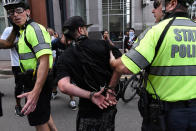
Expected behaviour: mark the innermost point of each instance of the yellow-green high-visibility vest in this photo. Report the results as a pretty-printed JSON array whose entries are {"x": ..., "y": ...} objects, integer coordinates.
[
  {"x": 173, "y": 71},
  {"x": 39, "y": 40}
]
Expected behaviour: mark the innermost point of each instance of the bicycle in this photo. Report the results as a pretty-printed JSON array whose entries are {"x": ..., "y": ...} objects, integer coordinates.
[{"x": 129, "y": 86}]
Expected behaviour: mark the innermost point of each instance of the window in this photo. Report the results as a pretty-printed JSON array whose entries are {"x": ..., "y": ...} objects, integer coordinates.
[
  {"x": 3, "y": 18},
  {"x": 116, "y": 17},
  {"x": 192, "y": 11},
  {"x": 80, "y": 8}
]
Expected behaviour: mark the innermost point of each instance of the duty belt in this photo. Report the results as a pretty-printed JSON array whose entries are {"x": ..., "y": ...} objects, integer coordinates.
[{"x": 180, "y": 104}]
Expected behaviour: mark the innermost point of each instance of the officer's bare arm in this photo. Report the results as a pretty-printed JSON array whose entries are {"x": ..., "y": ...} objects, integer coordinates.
[
  {"x": 9, "y": 42},
  {"x": 33, "y": 96},
  {"x": 42, "y": 72},
  {"x": 118, "y": 70}
]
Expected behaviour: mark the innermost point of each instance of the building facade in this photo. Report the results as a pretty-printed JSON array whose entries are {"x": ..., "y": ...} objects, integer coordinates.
[{"x": 116, "y": 16}]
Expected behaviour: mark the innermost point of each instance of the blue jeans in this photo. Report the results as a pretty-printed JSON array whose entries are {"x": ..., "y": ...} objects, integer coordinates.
[
  {"x": 175, "y": 118},
  {"x": 182, "y": 119}
]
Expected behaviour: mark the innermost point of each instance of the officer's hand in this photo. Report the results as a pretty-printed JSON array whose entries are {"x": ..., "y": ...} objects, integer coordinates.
[
  {"x": 15, "y": 27},
  {"x": 111, "y": 97},
  {"x": 31, "y": 103},
  {"x": 100, "y": 100}
]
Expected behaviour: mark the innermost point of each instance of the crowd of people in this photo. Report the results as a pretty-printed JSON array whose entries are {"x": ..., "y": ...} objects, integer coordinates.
[{"x": 43, "y": 60}]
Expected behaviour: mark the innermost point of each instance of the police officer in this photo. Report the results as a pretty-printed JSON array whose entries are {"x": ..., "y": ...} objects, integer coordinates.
[
  {"x": 87, "y": 64},
  {"x": 35, "y": 54},
  {"x": 171, "y": 80},
  {"x": 192, "y": 11},
  {"x": 157, "y": 11}
]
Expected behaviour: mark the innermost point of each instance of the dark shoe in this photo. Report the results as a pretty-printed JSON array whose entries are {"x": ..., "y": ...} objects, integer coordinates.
[{"x": 18, "y": 111}]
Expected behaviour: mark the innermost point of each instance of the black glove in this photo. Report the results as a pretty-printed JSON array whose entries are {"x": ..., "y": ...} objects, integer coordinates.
[{"x": 15, "y": 27}]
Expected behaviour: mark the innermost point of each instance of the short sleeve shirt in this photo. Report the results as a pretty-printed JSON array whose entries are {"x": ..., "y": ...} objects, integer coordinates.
[
  {"x": 172, "y": 70},
  {"x": 39, "y": 40},
  {"x": 70, "y": 65}
]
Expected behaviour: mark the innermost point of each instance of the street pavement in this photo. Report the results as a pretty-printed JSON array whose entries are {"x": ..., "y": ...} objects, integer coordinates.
[
  {"x": 127, "y": 118},
  {"x": 5, "y": 69}
]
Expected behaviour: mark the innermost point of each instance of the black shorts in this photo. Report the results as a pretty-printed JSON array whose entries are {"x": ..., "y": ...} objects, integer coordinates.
[
  {"x": 41, "y": 114},
  {"x": 101, "y": 122},
  {"x": 18, "y": 81}
]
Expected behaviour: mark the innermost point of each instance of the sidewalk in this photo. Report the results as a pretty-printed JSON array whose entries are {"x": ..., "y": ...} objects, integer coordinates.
[{"x": 5, "y": 68}]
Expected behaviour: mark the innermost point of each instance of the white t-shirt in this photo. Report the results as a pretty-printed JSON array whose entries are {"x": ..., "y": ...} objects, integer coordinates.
[{"x": 13, "y": 53}]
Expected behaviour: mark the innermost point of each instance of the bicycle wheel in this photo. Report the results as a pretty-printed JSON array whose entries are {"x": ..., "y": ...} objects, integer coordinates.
[{"x": 130, "y": 88}]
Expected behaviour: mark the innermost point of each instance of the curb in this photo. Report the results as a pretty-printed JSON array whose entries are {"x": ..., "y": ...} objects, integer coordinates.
[
  {"x": 6, "y": 71},
  {"x": 5, "y": 76}
]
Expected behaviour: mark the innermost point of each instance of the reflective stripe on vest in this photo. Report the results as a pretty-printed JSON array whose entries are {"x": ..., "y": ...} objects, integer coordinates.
[
  {"x": 26, "y": 56},
  {"x": 41, "y": 43},
  {"x": 183, "y": 22},
  {"x": 173, "y": 70},
  {"x": 38, "y": 32},
  {"x": 137, "y": 58},
  {"x": 177, "y": 70},
  {"x": 141, "y": 61},
  {"x": 41, "y": 46},
  {"x": 30, "y": 55}
]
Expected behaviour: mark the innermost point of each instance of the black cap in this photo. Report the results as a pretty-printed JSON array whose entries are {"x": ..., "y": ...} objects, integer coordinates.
[{"x": 73, "y": 23}]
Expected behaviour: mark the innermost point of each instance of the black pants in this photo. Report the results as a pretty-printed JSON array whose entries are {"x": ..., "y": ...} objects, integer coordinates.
[
  {"x": 178, "y": 116},
  {"x": 101, "y": 122},
  {"x": 182, "y": 119},
  {"x": 19, "y": 86}
]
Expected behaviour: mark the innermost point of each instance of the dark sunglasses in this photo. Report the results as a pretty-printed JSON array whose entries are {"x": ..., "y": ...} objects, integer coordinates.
[
  {"x": 18, "y": 10},
  {"x": 156, "y": 4}
]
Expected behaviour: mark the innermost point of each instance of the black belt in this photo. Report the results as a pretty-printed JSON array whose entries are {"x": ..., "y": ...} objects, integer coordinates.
[{"x": 180, "y": 104}]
